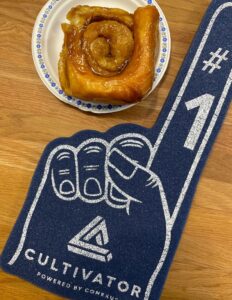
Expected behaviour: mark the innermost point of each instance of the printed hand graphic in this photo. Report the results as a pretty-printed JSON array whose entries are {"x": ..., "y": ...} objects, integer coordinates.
[
  {"x": 106, "y": 184},
  {"x": 115, "y": 172}
]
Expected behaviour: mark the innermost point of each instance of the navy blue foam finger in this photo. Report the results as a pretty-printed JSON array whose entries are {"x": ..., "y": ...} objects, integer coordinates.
[{"x": 128, "y": 191}]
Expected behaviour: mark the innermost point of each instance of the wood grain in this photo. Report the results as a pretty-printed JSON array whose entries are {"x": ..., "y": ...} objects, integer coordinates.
[{"x": 31, "y": 117}]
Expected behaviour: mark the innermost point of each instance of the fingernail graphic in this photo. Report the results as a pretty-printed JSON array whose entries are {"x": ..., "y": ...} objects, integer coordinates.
[
  {"x": 66, "y": 187},
  {"x": 92, "y": 187}
]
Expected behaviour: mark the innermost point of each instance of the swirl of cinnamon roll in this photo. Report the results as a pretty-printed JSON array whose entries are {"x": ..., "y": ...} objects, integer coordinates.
[{"x": 108, "y": 54}]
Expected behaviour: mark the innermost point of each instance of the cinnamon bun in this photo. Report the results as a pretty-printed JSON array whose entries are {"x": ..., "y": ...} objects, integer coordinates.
[{"x": 108, "y": 54}]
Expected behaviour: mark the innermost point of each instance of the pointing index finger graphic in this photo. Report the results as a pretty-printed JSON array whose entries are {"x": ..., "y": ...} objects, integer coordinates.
[{"x": 196, "y": 105}]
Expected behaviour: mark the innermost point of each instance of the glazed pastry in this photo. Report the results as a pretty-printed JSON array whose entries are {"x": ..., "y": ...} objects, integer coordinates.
[{"x": 108, "y": 54}]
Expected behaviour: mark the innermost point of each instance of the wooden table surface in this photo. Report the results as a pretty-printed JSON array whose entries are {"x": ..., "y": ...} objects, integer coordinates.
[{"x": 30, "y": 117}]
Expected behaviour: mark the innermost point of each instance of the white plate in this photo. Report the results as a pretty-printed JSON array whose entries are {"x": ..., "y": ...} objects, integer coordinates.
[{"x": 47, "y": 41}]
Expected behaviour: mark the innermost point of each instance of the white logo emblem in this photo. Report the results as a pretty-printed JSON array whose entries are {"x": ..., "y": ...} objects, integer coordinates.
[{"x": 94, "y": 231}]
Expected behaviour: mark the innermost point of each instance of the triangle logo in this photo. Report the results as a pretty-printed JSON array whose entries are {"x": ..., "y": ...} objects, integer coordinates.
[{"x": 90, "y": 240}]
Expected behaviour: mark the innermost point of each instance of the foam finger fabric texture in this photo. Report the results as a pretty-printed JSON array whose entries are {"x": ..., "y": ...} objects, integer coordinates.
[{"x": 105, "y": 211}]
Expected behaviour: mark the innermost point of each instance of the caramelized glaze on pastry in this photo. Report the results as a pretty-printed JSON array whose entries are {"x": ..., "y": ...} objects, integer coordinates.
[{"x": 108, "y": 54}]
